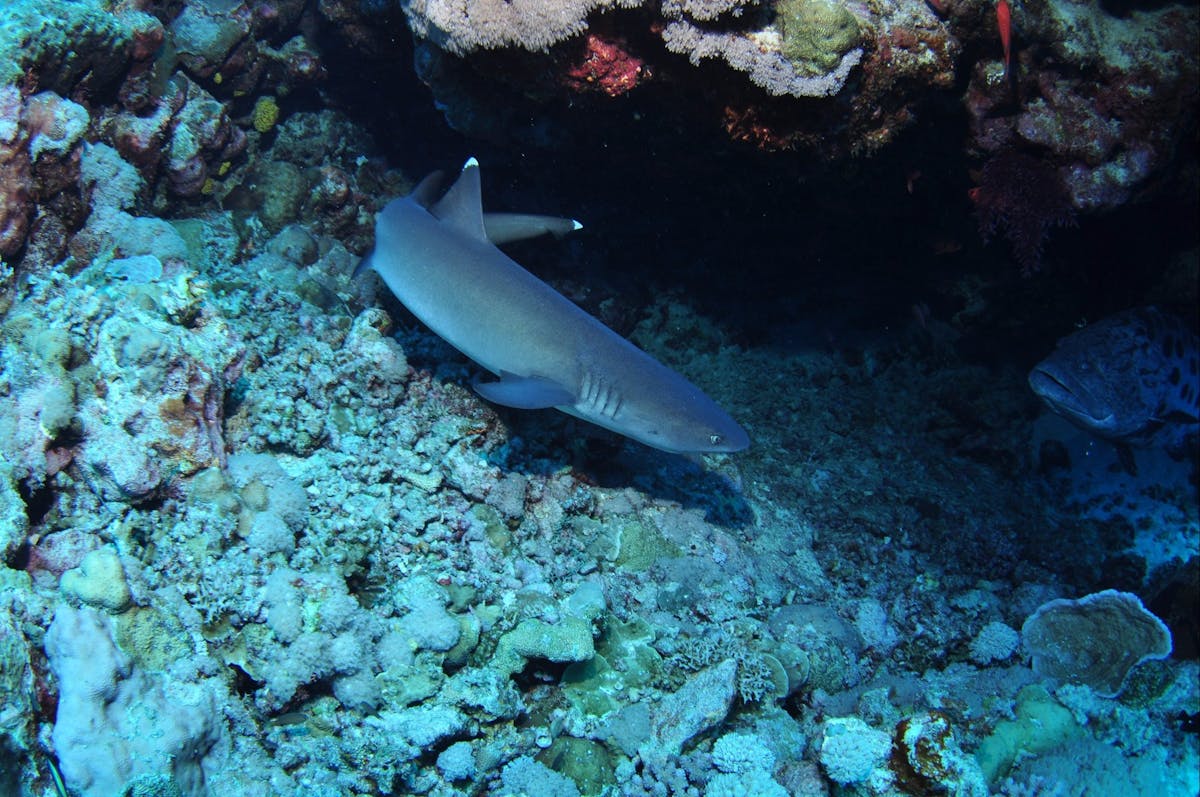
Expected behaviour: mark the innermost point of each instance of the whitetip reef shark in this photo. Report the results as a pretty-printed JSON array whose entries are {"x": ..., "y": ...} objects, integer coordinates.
[{"x": 440, "y": 260}]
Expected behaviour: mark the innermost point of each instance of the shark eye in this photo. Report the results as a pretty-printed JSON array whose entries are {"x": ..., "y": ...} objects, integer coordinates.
[{"x": 715, "y": 439}]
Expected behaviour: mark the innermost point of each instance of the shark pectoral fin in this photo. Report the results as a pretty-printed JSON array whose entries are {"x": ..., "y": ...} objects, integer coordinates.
[
  {"x": 504, "y": 227},
  {"x": 525, "y": 392},
  {"x": 364, "y": 265}
]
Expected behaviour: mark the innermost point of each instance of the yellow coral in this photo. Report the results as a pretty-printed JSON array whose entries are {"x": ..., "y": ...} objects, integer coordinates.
[
  {"x": 817, "y": 33},
  {"x": 266, "y": 114}
]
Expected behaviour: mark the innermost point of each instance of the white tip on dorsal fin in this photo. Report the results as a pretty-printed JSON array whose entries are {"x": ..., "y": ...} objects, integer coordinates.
[{"x": 461, "y": 206}]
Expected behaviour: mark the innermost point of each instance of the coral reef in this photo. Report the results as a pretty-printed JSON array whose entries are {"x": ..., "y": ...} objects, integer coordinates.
[
  {"x": 797, "y": 50},
  {"x": 1103, "y": 98},
  {"x": 1096, "y": 640},
  {"x": 808, "y": 50},
  {"x": 817, "y": 34},
  {"x": 1026, "y": 198},
  {"x": 118, "y": 724},
  {"x": 258, "y": 535},
  {"x": 459, "y": 27},
  {"x": 605, "y": 64},
  {"x": 1112, "y": 140},
  {"x": 40, "y": 129}
]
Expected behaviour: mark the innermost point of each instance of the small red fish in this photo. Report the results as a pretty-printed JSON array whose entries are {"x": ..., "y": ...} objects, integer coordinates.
[{"x": 1004, "y": 23}]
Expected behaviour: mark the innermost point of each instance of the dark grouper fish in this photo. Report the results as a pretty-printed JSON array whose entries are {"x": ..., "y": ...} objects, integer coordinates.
[{"x": 1131, "y": 378}]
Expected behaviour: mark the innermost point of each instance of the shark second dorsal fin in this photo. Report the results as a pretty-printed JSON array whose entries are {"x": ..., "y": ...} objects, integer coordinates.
[
  {"x": 461, "y": 206},
  {"x": 505, "y": 227}
]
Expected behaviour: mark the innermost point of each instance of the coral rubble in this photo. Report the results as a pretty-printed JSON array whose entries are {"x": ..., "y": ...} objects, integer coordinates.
[{"x": 258, "y": 534}]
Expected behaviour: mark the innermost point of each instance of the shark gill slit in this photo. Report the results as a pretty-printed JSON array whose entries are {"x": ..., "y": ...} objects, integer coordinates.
[
  {"x": 587, "y": 388},
  {"x": 599, "y": 396},
  {"x": 612, "y": 403}
]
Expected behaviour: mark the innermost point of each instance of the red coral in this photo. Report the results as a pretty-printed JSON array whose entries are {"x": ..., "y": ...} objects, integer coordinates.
[
  {"x": 1025, "y": 196},
  {"x": 605, "y": 65},
  {"x": 752, "y": 125}
]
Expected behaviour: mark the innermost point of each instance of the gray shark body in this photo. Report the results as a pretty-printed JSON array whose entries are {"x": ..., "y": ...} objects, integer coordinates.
[
  {"x": 1131, "y": 378},
  {"x": 437, "y": 259}
]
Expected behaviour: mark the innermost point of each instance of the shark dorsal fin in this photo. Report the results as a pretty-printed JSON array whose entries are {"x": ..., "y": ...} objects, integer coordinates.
[
  {"x": 427, "y": 189},
  {"x": 461, "y": 206}
]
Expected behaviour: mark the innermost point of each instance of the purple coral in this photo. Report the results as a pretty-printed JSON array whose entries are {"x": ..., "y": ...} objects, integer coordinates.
[{"x": 1027, "y": 197}]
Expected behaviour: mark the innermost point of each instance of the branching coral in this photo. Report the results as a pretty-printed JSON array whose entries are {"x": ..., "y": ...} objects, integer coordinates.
[
  {"x": 823, "y": 36},
  {"x": 460, "y": 27},
  {"x": 808, "y": 52},
  {"x": 706, "y": 10},
  {"x": 766, "y": 67}
]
